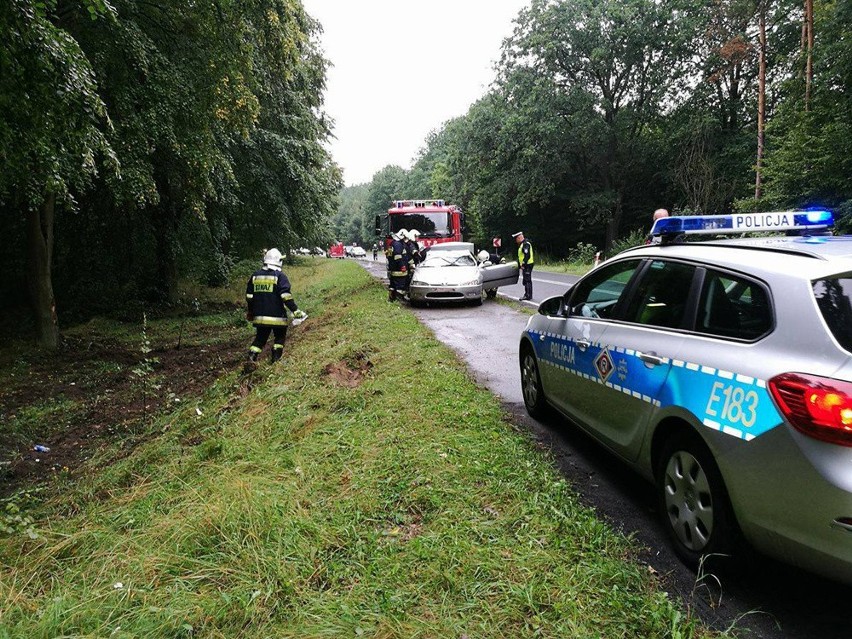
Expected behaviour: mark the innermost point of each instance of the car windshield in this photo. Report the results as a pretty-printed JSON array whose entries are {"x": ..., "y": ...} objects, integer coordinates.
[
  {"x": 834, "y": 299},
  {"x": 429, "y": 224},
  {"x": 449, "y": 259}
]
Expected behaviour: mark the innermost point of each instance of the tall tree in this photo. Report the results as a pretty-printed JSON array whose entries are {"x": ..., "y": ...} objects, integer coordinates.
[
  {"x": 622, "y": 60},
  {"x": 51, "y": 132}
]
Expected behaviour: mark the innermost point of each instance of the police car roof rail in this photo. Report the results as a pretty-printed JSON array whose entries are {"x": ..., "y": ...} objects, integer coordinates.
[{"x": 672, "y": 229}]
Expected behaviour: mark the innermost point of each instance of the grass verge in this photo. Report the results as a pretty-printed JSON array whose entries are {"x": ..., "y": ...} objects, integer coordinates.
[{"x": 364, "y": 486}]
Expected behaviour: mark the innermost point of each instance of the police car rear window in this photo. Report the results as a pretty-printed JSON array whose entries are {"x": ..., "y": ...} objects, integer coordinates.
[{"x": 834, "y": 299}]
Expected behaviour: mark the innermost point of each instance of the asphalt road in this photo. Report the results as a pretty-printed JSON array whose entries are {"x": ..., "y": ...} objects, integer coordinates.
[
  {"x": 755, "y": 596},
  {"x": 544, "y": 285}
]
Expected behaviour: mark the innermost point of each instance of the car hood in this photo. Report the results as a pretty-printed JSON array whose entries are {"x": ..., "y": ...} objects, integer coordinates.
[{"x": 447, "y": 275}]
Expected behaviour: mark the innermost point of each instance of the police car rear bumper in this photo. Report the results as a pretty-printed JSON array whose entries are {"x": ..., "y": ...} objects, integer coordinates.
[{"x": 799, "y": 496}]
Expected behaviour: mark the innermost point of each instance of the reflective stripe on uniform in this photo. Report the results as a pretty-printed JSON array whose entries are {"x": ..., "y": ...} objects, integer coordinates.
[
  {"x": 398, "y": 274},
  {"x": 249, "y": 296},
  {"x": 286, "y": 296},
  {"x": 270, "y": 321},
  {"x": 255, "y": 349}
]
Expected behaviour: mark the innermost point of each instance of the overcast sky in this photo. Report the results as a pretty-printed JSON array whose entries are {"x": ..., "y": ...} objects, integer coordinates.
[{"x": 402, "y": 68}]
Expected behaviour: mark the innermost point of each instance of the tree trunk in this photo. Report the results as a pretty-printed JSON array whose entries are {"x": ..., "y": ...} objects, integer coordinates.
[
  {"x": 613, "y": 227},
  {"x": 761, "y": 101},
  {"x": 39, "y": 279},
  {"x": 809, "y": 65}
]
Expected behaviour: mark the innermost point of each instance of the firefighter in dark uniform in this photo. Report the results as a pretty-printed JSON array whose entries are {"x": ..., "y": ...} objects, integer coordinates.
[
  {"x": 397, "y": 266},
  {"x": 413, "y": 249},
  {"x": 268, "y": 297},
  {"x": 525, "y": 262}
]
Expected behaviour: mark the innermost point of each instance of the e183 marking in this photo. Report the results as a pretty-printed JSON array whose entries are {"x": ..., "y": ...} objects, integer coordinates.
[{"x": 739, "y": 406}]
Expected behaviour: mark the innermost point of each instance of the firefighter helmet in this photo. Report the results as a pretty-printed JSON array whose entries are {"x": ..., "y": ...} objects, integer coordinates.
[
  {"x": 272, "y": 258},
  {"x": 482, "y": 256}
]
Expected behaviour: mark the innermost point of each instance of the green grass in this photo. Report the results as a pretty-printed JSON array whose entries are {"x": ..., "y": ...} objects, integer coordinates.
[{"x": 296, "y": 506}]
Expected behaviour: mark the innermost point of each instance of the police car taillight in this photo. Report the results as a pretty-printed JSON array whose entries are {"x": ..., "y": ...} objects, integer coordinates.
[{"x": 817, "y": 406}]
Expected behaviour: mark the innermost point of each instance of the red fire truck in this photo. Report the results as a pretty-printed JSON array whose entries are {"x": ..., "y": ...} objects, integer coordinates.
[
  {"x": 337, "y": 250},
  {"x": 437, "y": 222}
]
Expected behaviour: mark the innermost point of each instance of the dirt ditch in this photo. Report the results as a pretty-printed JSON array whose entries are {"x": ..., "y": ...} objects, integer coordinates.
[{"x": 93, "y": 394}]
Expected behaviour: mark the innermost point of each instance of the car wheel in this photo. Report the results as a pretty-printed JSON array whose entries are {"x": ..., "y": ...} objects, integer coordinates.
[
  {"x": 693, "y": 502},
  {"x": 491, "y": 293},
  {"x": 531, "y": 387}
]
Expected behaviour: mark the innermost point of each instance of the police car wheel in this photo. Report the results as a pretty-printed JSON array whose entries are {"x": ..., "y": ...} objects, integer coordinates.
[
  {"x": 692, "y": 500},
  {"x": 531, "y": 387}
]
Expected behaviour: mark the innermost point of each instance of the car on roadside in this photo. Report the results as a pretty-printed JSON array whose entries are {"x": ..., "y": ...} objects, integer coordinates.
[
  {"x": 722, "y": 372},
  {"x": 450, "y": 272},
  {"x": 357, "y": 252}
]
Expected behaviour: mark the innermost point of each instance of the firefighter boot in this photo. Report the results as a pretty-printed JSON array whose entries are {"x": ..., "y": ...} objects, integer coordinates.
[
  {"x": 277, "y": 352},
  {"x": 253, "y": 355},
  {"x": 391, "y": 295}
]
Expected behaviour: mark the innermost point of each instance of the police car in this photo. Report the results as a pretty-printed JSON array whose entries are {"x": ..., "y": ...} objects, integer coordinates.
[{"x": 722, "y": 371}]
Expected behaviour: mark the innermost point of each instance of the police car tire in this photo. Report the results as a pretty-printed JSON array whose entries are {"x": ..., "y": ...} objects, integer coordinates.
[
  {"x": 531, "y": 387},
  {"x": 688, "y": 477}
]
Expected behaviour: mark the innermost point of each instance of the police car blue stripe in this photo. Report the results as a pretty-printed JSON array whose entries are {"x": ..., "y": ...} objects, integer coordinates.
[{"x": 735, "y": 404}]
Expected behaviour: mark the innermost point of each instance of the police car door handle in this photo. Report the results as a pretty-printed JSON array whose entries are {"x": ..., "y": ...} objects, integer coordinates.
[
  {"x": 650, "y": 358},
  {"x": 583, "y": 344}
]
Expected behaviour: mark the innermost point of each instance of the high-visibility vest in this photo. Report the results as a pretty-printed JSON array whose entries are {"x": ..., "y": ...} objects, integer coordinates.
[{"x": 525, "y": 253}]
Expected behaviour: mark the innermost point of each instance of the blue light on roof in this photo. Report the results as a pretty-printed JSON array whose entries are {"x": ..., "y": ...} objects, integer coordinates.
[
  {"x": 743, "y": 223},
  {"x": 820, "y": 217}
]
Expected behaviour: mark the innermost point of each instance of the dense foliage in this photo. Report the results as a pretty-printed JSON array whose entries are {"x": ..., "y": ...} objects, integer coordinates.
[
  {"x": 604, "y": 110},
  {"x": 165, "y": 140}
]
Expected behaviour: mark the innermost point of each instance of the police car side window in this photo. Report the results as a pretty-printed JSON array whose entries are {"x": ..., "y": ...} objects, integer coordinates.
[
  {"x": 597, "y": 295},
  {"x": 662, "y": 295},
  {"x": 733, "y": 306}
]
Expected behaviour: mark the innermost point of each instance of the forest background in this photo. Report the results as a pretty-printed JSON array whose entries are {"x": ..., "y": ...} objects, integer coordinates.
[{"x": 143, "y": 144}]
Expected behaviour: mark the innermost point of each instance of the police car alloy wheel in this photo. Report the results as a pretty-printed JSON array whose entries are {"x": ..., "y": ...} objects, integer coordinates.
[
  {"x": 531, "y": 386},
  {"x": 692, "y": 500}
]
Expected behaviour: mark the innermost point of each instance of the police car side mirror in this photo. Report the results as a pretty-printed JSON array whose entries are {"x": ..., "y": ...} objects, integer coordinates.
[{"x": 551, "y": 307}]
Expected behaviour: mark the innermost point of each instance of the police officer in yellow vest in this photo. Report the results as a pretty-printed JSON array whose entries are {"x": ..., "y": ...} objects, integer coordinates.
[
  {"x": 525, "y": 262},
  {"x": 268, "y": 298}
]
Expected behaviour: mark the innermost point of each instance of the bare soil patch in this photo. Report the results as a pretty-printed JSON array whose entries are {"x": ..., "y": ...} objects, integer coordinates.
[
  {"x": 349, "y": 372},
  {"x": 99, "y": 400}
]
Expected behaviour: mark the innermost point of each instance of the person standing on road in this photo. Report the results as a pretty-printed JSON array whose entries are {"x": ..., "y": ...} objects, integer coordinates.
[
  {"x": 525, "y": 262},
  {"x": 267, "y": 298},
  {"x": 397, "y": 266},
  {"x": 375, "y": 251}
]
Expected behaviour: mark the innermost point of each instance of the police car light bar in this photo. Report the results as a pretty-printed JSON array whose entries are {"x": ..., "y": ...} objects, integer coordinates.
[{"x": 743, "y": 223}]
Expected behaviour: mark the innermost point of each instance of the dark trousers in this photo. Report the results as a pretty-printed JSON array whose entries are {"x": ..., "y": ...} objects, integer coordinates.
[
  {"x": 526, "y": 273},
  {"x": 262, "y": 334},
  {"x": 399, "y": 283}
]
